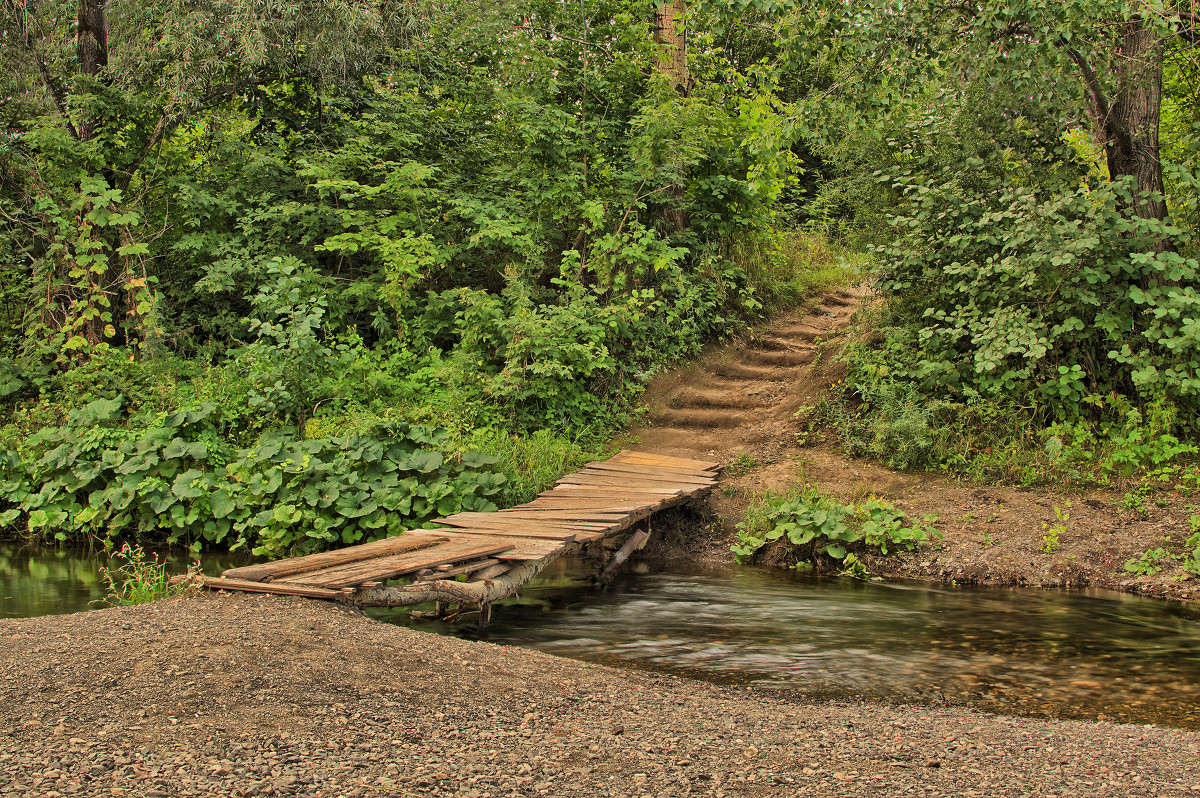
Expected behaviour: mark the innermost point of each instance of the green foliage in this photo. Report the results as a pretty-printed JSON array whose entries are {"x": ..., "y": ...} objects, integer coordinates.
[
  {"x": 173, "y": 476},
  {"x": 815, "y": 527},
  {"x": 1052, "y": 532},
  {"x": 1149, "y": 563},
  {"x": 134, "y": 576}
]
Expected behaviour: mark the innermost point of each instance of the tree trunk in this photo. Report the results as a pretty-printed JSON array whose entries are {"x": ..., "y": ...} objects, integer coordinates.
[
  {"x": 670, "y": 33},
  {"x": 91, "y": 49},
  {"x": 1131, "y": 125}
]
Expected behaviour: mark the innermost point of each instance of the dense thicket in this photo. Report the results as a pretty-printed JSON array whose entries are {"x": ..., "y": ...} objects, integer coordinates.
[
  {"x": 1027, "y": 172},
  {"x": 490, "y": 218},
  {"x": 238, "y": 240}
]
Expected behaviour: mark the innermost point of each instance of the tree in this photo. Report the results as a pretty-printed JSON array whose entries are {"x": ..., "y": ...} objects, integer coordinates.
[
  {"x": 670, "y": 34},
  {"x": 1110, "y": 51},
  {"x": 92, "y": 94}
]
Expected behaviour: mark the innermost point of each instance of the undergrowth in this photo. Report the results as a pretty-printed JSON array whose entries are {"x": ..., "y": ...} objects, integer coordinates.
[
  {"x": 1118, "y": 443},
  {"x": 821, "y": 531},
  {"x": 135, "y": 576}
]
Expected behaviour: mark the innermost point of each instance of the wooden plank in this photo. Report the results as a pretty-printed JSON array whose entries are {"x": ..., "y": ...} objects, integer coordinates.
[
  {"x": 686, "y": 477},
  {"x": 511, "y": 518},
  {"x": 618, "y": 488},
  {"x": 599, "y": 516},
  {"x": 398, "y": 565},
  {"x": 583, "y": 492},
  {"x": 249, "y": 585},
  {"x": 565, "y": 535},
  {"x": 447, "y": 572},
  {"x": 649, "y": 458},
  {"x": 606, "y": 465},
  {"x": 638, "y": 477},
  {"x": 585, "y": 477},
  {"x": 549, "y": 503},
  {"x": 556, "y": 532},
  {"x": 525, "y": 548},
  {"x": 410, "y": 541},
  {"x": 633, "y": 482},
  {"x": 496, "y": 521},
  {"x": 667, "y": 461}
]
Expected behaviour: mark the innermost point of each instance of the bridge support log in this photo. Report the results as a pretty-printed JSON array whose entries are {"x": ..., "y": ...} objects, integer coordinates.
[{"x": 450, "y": 592}]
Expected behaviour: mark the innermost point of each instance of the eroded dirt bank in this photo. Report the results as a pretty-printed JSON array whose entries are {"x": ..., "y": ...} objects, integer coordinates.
[
  {"x": 749, "y": 405},
  {"x": 240, "y": 695}
]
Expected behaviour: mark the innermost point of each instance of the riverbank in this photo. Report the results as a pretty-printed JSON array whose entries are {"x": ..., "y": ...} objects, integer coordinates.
[
  {"x": 264, "y": 695},
  {"x": 749, "y": 405}
]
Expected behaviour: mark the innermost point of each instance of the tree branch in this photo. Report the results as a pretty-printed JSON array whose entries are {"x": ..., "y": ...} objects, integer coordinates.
[
  {"x": 1100, "y": 102},
  {"x": 22, "y": 14}
]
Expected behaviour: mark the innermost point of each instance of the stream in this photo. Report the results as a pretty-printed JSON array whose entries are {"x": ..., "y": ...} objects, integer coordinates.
[{"x": 1086, "y": 655}]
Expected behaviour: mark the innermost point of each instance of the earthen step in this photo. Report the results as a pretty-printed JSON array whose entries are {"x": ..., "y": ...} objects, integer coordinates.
[
  {"x": 798, "y": 334},
  {"x": 734, "y": 400},
  {"x": 699, "y": 418},
  {"x": 777, "y": 344},
  {"x": 776, "y": 357},
  {"x": 748, "y": 371}
]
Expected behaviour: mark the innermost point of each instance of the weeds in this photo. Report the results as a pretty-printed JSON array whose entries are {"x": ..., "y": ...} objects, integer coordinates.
[
  {"x": 134, "y": 576},
  {"x": 1050, "y": 540},
  {"x": 816, "y": 527},
  {"x": 1149, "y": 563},
  {"x": 742, "y": 464}
]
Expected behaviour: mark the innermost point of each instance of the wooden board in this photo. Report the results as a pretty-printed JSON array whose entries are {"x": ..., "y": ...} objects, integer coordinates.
[
  {"x": 597, "y": 516},
  {"x": 410, "y": 541},
  {"x": 397, "y": 565},
  {"x": 616, "y": 490},
  {"x": 548, "y": 503},
  {"x": 649, "y": 458},
  {"x": 583, "y": 492},
  {"x": 497, "y": 521},
  {"x": 647, "y": 472},
  {"x": 220, "y": 583},
  {"x": 632, "y": 483},
  {"x": 556, "y": 532},
  {"x": 565, "y": 535},
  {"x": 634, "y": 467}
]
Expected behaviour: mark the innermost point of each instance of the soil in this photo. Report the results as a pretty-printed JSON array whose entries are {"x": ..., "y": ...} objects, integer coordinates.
[
  {"x": 248, "y": 695},
  {"x": 749, "y": 405}
]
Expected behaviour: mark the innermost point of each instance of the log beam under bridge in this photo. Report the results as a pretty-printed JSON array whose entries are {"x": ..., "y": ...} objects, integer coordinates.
[{"x": 497, "y": 552}]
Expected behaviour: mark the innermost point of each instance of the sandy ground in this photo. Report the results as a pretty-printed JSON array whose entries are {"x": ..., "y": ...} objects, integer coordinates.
[{"x": 242, "y": 695}]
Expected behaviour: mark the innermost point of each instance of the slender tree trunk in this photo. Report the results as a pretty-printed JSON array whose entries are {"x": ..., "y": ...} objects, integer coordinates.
[
  {"x": 670, "y": 35},
  {"x": 91, "y": 50},
  {"x": 1131, "y": 125}
]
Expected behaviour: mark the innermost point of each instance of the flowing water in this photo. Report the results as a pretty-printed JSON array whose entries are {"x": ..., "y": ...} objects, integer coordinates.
[{"x": 1024, "y": 652}]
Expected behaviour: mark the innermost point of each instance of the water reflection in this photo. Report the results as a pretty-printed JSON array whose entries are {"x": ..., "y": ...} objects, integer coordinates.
[
  {"x": 1075, "y": 655},
  {"x": 39, "y": 580}
]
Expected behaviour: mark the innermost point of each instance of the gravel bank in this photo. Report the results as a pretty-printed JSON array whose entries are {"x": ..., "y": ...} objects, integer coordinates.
[{"x": 246, "y": 695}]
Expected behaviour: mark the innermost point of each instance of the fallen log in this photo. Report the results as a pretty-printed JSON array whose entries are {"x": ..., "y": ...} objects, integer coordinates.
[{"x": 450, "y": 592}]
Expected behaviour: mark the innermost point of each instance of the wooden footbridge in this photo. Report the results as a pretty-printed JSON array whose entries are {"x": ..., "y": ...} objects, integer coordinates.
[{"x": 496, "y": 552}]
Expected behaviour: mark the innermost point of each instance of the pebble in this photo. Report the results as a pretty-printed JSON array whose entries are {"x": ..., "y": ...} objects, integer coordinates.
[{"x": 377, "y": 710}]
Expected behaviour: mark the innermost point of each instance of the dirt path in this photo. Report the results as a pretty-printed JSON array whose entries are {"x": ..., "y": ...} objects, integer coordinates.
[
  {"x": 747, "y": 405},
  {"x": 239, "y": 695}
]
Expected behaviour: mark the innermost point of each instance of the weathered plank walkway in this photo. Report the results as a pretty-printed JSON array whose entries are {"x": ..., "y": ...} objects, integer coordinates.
[{"x": 498, "y": 552}]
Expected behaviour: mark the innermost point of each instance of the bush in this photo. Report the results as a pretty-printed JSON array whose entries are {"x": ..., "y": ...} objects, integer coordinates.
[
  {"x": 172, "y": 476},
  {"x": 816, "y": 528}
]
